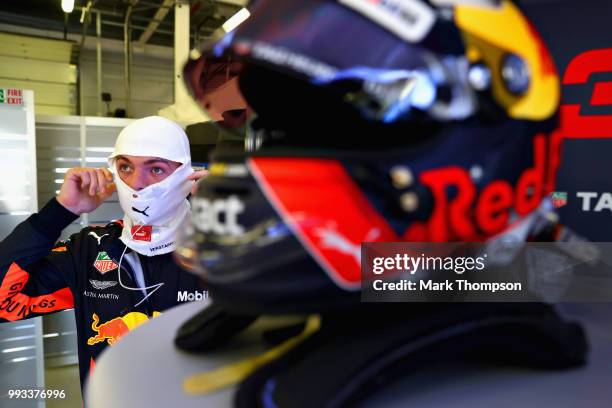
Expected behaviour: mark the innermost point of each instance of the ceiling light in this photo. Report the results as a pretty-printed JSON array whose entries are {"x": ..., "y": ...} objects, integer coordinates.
[
  {"x": 235, "y": 20},
  {"x": 67, "y": 6}
]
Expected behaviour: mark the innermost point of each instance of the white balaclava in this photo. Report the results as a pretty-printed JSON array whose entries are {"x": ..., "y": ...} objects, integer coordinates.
[{"x": 154, "y": 214}]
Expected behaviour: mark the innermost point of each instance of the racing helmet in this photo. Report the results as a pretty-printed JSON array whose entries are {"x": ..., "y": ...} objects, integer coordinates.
[{"x": 364, "y": 121}]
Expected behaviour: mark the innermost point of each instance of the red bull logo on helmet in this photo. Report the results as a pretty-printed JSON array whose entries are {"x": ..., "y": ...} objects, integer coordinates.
[
  {"x": 454, "y": 219},
  {"x": 330, "y": 198}
]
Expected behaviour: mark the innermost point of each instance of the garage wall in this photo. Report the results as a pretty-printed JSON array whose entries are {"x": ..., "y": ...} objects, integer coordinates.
[
  {"x": 42, "y": 65},
  {"x": 152, "y": 83}
]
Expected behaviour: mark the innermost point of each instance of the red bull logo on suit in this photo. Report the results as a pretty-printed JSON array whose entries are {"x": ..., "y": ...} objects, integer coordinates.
[{"x": 112, "y": 330}]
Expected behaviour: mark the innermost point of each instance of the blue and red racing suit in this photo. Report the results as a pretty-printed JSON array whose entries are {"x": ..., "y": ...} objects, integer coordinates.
[{"x": 39, "y": 276}]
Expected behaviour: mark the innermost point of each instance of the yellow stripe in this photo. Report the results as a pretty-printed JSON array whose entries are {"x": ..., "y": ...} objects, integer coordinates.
[{"x": 211, "y": 381}]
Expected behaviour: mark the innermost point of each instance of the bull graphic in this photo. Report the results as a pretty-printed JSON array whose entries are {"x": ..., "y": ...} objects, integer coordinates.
[{"x": 114, "y": 329}]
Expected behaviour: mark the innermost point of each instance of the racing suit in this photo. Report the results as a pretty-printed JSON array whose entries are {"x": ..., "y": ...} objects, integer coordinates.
[{"x": 39, "y": 276}]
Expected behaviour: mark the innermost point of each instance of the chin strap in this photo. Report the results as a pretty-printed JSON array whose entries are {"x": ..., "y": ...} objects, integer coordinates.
[
  {"x": 211, "y": 381},
  {"x": 338, "y": 359},
  {"x": 350, "y": 358}
]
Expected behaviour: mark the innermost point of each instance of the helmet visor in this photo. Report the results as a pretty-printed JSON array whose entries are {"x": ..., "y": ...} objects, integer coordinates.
[{"x": 335, "y": 60}]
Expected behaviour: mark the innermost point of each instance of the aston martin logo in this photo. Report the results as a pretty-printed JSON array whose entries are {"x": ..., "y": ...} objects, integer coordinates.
[{"x": 101, "y": 285}]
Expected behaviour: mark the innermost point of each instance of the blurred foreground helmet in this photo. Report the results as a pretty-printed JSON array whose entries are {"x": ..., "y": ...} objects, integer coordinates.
[
  {"x": 369, "y": 121},
  {"x": 365, "y": 121},
  {"x": 298, "y": 64}
]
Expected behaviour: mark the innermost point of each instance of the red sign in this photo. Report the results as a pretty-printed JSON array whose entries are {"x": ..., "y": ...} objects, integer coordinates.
[
  {"x": 581, "y": 67},
  {"x": 11, "y": 96}
]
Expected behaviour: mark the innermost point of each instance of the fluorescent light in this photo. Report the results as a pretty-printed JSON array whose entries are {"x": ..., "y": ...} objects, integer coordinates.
[
  {"x": 23, "y": 326},
  {"x": 67, "y": 159},
  {"x": 78, "y": 159},
  {"x": 67, "y": 6},
  {"x": 7, "y": 339},
  {"x": 235, "y": 20},
  {"x": 101, "y": 149},
  {"x": 12, "y": 350},
  {"x": 20, "y": 359},
  {"x": 96, "y": 159}
]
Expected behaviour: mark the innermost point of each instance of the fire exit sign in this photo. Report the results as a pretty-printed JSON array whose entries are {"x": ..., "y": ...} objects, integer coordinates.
[{"x": 10, "y": 96}]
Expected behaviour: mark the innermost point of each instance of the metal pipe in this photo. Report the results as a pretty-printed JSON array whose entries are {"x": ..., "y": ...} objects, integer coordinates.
[
  {"x": 138, "y": 27},
  {"x": 86, "y": 19},
  {"x": 65, "y": 26},
  {"x": 117, "y": 14},
  {"x": 181, "y": 48},
  {"x": 99, "y": 61},
  {"x": 160, "y": 14},
  {"x": 127, "y": 80},
  {"x": 81, "y": 100}
]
